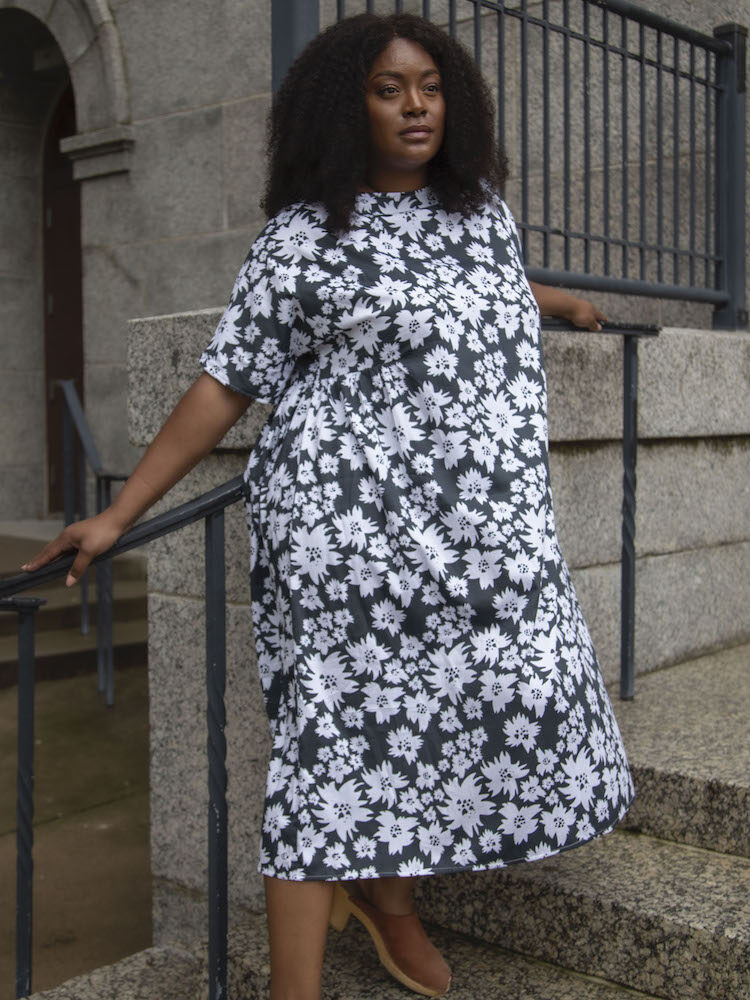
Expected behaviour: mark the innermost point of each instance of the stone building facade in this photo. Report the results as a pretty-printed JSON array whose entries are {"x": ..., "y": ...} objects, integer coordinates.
[{"x": 170, "y": 100}]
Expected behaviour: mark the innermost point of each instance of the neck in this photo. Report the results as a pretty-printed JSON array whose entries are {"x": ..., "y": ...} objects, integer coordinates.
[{"x": 391, "y": 180}]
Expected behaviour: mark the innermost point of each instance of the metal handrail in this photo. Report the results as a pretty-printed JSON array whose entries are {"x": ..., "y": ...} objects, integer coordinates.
[
  {"x": 74, "y": 421},
  {"x": 210, "y": 508}
]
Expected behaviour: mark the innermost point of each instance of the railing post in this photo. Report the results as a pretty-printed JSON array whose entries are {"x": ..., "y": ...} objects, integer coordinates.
[
  {"x": 293, "y": 24},
  {"x": 69, "y": 500},
  {"x": 629, "y": 448},
  {"x": 216, "y": 653},
  {"x": 25, "y": 608},
  {"x": 730, "y": 177}
]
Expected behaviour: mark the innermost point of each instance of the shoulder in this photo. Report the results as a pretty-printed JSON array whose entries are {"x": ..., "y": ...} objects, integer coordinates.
[{"x": 295, "y": 233}]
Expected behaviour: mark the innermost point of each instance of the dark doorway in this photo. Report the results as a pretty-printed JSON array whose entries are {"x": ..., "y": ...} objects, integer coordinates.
[{"x": 63, "y": 309}]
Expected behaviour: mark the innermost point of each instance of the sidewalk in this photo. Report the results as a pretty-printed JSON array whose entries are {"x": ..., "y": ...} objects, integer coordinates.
[{"x": 92, "y": 882}]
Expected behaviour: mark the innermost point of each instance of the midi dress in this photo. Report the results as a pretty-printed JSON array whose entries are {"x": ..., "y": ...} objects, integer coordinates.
[{"x": 434, "y": 699}]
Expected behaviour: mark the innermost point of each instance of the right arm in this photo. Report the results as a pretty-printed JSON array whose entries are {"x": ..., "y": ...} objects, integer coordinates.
[{"x": 194, "y": 427}]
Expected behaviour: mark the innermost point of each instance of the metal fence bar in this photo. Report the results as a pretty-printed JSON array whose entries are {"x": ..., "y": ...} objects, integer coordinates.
[
  {"x": 730, "y": 167},
  {"x": 586, "y": 140},
  {"x": 627, "y": 566},
  {"x": 217, "y": 752},
  {"x": 566, "y": 134},
  {"x": 707, "y": 168},
  {"x": 691, "y": 220},
  {"x": 624, "y": 159},
  {"x": 676, "y": 162},
  {"x": 524, "y": 125},
  {"x": 545, "y": 134},
  {"x": 659, "y": 158},
  {"x": 293, "y": 24},
  {"x": 69, "y": 499},
  {"x": 642, "y": 147},
  {"x": 605, "y": 136},
  {"x": 25, "y": 608}
]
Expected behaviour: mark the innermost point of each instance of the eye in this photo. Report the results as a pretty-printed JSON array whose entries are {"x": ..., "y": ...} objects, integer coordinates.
[{"x": 389, "y": 90}]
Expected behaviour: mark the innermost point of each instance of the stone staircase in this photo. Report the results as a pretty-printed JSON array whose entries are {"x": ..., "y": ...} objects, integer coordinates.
[
  {"x": 61, "y": 650},
  {"x": 658, "y": 908}
]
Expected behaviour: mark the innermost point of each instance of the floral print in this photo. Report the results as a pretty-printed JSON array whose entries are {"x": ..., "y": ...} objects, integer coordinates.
[{"x": 434, "y": 699}]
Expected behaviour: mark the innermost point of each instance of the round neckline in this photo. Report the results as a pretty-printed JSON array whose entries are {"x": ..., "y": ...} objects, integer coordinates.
[{"x": 393, "y": 194}]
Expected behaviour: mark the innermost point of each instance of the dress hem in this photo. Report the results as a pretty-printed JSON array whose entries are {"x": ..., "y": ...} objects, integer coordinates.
[{"x": 455, "y": 869}]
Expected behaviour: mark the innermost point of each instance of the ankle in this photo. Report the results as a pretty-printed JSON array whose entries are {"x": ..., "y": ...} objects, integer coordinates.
[{"x": 389, "y": 895}]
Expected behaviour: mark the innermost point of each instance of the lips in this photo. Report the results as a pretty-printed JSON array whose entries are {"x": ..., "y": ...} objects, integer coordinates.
[{"x": 416, "y": 130}]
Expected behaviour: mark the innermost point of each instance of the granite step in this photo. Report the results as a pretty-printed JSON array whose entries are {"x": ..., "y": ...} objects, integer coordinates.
[
  {"x": 153, "y": 974},
  {"x": 650, "y": 914},
  {"x": 687, "y": 737},
  {"x": 66, "y": 653},
  {"x": 62, "y": 609},
  {"x": 351, "y": 970}
]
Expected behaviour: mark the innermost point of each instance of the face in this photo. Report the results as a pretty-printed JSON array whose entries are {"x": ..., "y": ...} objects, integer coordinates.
[{"x": 406, "y": 110}]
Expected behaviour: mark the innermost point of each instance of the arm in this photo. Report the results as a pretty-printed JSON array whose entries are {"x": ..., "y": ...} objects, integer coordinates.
[
  {"x": 194, "y": 427},
  {"x": 555, "y": 302}
]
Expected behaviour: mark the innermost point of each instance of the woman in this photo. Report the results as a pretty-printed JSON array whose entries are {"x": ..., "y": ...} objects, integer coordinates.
[{"x": 434, "y": 701}]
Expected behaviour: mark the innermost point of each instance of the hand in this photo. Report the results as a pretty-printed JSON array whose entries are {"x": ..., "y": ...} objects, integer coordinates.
[
  {"x": 584, "y": 314},
  {"x": 90, "y": 537}
]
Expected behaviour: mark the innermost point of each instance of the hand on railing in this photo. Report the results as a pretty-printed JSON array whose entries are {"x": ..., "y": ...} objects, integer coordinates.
[
  {"x": 585, "y": 314},
  {"x": 90, "y": 537}
]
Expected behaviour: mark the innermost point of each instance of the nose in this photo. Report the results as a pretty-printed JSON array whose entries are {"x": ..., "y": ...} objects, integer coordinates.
[{"x": 414, "y": 103}]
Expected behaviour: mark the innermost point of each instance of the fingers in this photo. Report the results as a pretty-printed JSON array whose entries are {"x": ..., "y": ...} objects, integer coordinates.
[
  {"x": 50, "y": 551},
  {"x": 79, "y": 567}
]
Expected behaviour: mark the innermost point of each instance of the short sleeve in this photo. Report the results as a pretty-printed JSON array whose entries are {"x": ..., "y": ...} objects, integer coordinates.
[{"x": 261, "y": 333}]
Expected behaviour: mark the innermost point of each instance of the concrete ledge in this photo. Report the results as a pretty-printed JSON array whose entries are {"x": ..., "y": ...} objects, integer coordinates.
[
  {"x": 688, "y": 744},
  {"x": 156, "y": 972},
  {"x": 693, "y": 383}
]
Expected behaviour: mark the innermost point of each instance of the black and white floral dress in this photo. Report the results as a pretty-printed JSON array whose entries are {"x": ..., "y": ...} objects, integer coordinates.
[{"x": 434, "y": 699}]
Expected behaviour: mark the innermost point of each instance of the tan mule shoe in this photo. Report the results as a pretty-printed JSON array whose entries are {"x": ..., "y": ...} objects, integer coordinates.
[{"x": 402, "y": 945}]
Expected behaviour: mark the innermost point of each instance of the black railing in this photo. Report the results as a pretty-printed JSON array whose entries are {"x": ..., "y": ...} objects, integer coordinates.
[
  {"x": 76, "y": 431},
  {"x": 210, "y": 507},
  {"x": 630, "y": 333},
  {"x": 626, "y": 133}
]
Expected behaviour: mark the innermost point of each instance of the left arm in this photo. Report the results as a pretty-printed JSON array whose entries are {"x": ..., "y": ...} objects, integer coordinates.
[{"x": 555, "y": 302}]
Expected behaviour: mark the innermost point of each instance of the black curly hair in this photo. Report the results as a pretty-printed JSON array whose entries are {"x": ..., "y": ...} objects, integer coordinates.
[{"x": 318, "y": 126}]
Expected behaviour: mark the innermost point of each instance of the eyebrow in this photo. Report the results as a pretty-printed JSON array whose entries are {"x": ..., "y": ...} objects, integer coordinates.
[{"x": 400, "y": 76}]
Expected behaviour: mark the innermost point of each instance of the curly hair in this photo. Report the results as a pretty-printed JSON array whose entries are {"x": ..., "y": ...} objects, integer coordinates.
[{"x": 318, "y": 126}]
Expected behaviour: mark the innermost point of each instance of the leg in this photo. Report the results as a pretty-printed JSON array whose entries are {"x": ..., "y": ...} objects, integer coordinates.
[
  {"x": 297, "y": 927},
  {"x": 389, "y": 894}
]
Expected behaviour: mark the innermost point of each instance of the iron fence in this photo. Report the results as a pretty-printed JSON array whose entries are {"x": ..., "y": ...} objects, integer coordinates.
[
  {"x": 625, "y": 133},
  {"x": 210, "y": 508},
  {"x": 77, "y": 434}
]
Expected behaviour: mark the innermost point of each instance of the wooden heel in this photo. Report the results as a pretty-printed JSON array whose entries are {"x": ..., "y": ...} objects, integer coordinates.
[{"x": 340, "y": 909}]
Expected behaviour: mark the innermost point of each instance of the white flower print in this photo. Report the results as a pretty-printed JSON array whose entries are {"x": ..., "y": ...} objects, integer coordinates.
[
  {"x": 434, "y": 699},
  {"x": 519, "y": 822},
  {"x": 451, "y": 672},
  {"x": 465, "y": 805},
  {"x": 313, "y": 553},
  {"x": 341, "y": 808},
  {"x": 396, "y": 831},
  {"x": 382, "y": 783}
]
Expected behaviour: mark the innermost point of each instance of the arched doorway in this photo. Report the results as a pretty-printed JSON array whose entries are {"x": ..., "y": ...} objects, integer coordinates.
[
  {"x": 33, "y": 79},
  {"x": 62, "y": 296}
]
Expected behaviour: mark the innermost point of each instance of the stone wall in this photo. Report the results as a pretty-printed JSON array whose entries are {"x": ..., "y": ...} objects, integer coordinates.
[{"x": 692, "y": 540}]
